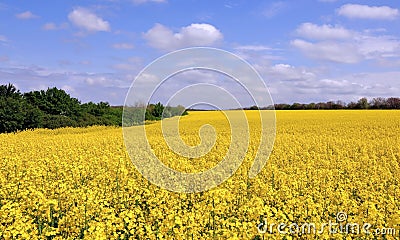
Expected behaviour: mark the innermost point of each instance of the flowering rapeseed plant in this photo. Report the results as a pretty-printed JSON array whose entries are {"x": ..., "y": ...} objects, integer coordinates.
[{"x": 80, "y": 183}]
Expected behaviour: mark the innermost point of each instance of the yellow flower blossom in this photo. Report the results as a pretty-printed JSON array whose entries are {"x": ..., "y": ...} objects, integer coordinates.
[{"x": 74, "y": 183}]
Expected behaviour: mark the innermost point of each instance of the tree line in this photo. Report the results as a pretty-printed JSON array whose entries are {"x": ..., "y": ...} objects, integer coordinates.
[
  {"x": 133, "y": 115},
  {"x": 54, "y": 108},
  {"x": 362, "y": 103}
]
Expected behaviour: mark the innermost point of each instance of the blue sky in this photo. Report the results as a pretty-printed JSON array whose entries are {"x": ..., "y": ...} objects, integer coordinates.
[{"x": 309, "y": 50}]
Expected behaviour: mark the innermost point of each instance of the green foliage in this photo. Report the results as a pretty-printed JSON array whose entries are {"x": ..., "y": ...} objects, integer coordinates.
[
  {"x": 11, "y": 115},
  {"x": 159, "y": 111},
  {"x": 154, "y": 111},
  {"x": 54, "y": 108},
  {"x": 139, "y": 113},
  {"x": 54, "y": 101},
  {"x": 362, "y": 103},
  {"x": 33, "y": 117},
  {"x": 57, "y": 121},
  {"x": 15, "y": 112},
  {"x": 9, "y": 91},
  {"x": 51, "y": 108},
  {"x": 174, "y": 111}
]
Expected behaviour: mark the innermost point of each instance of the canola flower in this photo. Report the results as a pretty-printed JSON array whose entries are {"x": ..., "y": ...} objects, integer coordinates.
[{"x": 76, "y": 183}]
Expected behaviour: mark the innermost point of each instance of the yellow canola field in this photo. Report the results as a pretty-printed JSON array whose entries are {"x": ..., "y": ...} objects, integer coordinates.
[{"x": 80, "y": 183}]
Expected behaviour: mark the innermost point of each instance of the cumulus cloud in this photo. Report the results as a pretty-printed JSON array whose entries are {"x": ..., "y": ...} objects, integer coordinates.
[
  {"x": 26, "y": 15},
  {"x": 290, "y": 83},
  {"x": 346, "y": 88},
  {"x": 352, "y": 87},
  {"x": 123, "y": 46},
  {"x": 196, "y": 34},
  {"x": 288, "y": 72},
  {"x": 111, "y": 87},
  {"x": 287, "y": 83},
  {"x": 376, "y": 47},
  {"x": 87, "y": 20},
  {"x": 368, "y": 12},
  {"x": 341, "y": 45},
  {"x": 329, "y": 50},
  {"x": 313, "y": 31}
]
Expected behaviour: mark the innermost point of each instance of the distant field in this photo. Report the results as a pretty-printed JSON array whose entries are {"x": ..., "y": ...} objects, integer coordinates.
[{"x": 81, "y": 183}]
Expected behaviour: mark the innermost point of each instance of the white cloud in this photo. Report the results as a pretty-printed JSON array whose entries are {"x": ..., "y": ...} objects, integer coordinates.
[
  {"x": 313, "y": 31},
  {"x": 26, "y": 15},
  {"x": 289, "y": 83},
  {"x": 52, "y": 26},
  {"x": 339, "y": 44},
  {"x": 148, "y": 78},
  {"x": 378, "y": 46},
  {"x": 49, "y": 26},
  {"x": 97, "y": 80},
  {"x": 368, "y": 12},
  {"x": 85, "y": 86},
  {"x": 346, "y": 88},
  {"x": 285, "y": 74},
  {"x": 68, "y": 89},
  {"x": 123, "y": 46},
  {"x": 289, "y": 72},
  {"x": 329, "y": 50},
  {"x": 354, "y": 86},
  {"x": 87, "y": 20},
  {"x": 375, "y": 30},
  {"x": 262, "y": 53},
  {"x": 196, "y": 34},
  {"x": 254, "y": 48}
]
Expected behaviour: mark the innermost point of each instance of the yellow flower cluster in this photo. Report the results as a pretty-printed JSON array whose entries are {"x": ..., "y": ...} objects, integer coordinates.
[{"x": 80, "y": 182}]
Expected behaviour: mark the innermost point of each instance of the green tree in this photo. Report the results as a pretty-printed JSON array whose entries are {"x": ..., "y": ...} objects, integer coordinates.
[
  {"x": 15, "y": 113},
  {"x": 54, "y": 101},
  {"x": 12, "y": 115},
  {"x": 158, "y": 110},
  {"x": 363, "y": 103},
  {"x": 33, "y": 117},
  {"x": 9, "y": 91},
  {"x": 58, "y": 121},
  {"x": 55, "y": 108}
]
